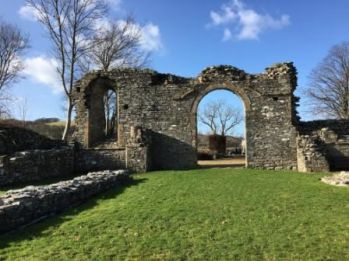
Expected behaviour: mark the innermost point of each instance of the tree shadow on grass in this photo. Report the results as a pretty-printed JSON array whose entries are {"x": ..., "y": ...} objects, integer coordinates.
[{"x": 39, "y": 228}]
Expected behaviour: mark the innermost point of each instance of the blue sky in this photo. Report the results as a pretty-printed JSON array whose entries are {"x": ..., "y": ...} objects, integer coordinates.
[{"x": 187, "y": 36}]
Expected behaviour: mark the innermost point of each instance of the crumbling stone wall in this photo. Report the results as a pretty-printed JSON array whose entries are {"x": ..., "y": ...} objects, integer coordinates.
[
  {"x": 99, "y": 159},
  {"x": 311, "y": 155},
  {"x": 167, "y": 105},
  {"x": 28, "y": 156},
  {"x": 36, "y": 165},
  {"x": 333, "y": 141},
  {"x": 33, "y": 203}
]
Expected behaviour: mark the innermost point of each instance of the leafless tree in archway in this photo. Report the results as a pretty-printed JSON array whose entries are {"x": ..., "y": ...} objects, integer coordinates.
[
  {"x": 220, "y": 117},
  {"x": 110, "y": 112}
]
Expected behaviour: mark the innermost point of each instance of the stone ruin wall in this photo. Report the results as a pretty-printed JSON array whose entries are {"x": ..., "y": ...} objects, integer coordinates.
[
  {"x": 31, "y": 204},
  {"x": 167, "y": 105},
  {"x": 323, "y": 145},
  {"x": 36, "y": 165},
  {"x": 157, "y": 126},
  {"x": 27, "y": 156}
]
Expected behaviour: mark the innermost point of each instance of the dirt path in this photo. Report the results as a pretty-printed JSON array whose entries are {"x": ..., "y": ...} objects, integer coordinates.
[{"x": 232, "y": 162}]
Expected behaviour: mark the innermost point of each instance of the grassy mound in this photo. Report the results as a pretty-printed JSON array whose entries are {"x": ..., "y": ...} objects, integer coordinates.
[{"x": 212, "y": 214}]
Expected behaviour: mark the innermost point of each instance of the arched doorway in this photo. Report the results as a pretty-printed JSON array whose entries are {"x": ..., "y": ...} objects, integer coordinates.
[
  {"x": 224, "y": 144},
  {"x": 102, "y": 113}
]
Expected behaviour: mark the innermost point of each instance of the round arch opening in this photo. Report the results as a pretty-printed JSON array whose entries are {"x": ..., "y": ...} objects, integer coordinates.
[{"x": 220, "y": 127}]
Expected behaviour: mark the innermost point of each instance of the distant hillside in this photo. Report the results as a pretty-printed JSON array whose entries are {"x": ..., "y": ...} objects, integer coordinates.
[{"x": 50, "y": 127}]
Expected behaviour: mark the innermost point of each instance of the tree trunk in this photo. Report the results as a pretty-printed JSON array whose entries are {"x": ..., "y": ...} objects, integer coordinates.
[{"x": 68, "y": 122}]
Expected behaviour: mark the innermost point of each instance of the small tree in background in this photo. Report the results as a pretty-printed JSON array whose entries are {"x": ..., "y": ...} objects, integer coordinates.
[
  {"x": 110, "y": 109},
  {"x": 329, "y": 88},
  {"x": 13, "y": 43},
  {"x": 220, "y": 117},
  {"x": 69, "y": 24}
]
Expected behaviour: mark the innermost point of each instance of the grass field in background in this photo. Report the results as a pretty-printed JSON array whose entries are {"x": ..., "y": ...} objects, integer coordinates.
[{"x": 206, "y": 214}]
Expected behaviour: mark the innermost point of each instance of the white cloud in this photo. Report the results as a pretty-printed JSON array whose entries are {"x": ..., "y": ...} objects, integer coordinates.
[
  {"x": 28, "y": 12},
  {"x": 114, "y": 4},
  {"x": 151, "y": 38},
  {"x": 227, "y": 16},
  {"x": 43, "y": 70},
  {"x": 248, "y": 23}
]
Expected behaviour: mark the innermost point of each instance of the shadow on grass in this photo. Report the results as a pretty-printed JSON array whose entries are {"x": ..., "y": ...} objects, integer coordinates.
[{"x": 36, "y": 230}]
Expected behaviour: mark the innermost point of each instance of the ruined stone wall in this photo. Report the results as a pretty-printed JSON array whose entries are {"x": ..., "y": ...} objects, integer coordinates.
[
  {"x": 36, "y": 165},
  {"x": 167, "y": 105},
  {"x": 311, "y": 154},
  {"x": 334, "y": 140},
  {"x": 99, "y": 159},
  {"x": 33, "y": 203},
  {"x": 270, "y": 111}
]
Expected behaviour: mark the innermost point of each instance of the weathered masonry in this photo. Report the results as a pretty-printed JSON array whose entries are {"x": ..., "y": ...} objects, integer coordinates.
[
  {"x": 156, "y": 126},
  {"x": 161, "y": 110}
]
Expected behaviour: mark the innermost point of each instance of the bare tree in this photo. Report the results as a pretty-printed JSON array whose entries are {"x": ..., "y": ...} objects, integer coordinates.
[
  {"x": 69, "y": 24},
  {"x": 5, "y": 101},
  {"x": 220, "y": 118},
  {"x": 118, "y": 45},
  {"x": 329, "y": 87},
  {"x": 110, "y": 110},
  {"x": 22, "y": 107},
  {"x": 12, "y": 45}
]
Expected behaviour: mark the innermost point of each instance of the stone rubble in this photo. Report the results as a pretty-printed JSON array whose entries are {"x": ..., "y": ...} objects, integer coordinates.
[
  {"x": 32, "y": 203},
  {"x": 340, "y": 179}
]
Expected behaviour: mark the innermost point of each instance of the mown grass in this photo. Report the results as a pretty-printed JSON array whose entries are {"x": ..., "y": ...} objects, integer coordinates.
[{"x": 212, "y": 214}]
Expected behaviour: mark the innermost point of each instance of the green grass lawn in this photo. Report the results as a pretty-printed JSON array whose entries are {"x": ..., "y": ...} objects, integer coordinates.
[{"x": 212, "y": 214}]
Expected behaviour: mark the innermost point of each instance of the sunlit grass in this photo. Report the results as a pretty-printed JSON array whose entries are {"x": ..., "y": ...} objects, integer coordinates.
[{"x": 213, "y": 214}]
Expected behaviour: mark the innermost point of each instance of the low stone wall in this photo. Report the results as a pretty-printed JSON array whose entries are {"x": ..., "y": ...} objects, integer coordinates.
[
  {"x": 340, "y": 127},
  {"x": 138, "y": 158},
  {"x": 36, "y": 165},
  {"x": 33, "y": 203},
  {"x": 310, "y": 157},
  {"x": 99, "y": 159},
  {"x": 334, "y": 138},
  {"x": 340, "y": 179}
]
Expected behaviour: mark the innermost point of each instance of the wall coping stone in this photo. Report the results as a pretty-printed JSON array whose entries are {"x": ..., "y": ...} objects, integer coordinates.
[{"x": 33, "y": 203}]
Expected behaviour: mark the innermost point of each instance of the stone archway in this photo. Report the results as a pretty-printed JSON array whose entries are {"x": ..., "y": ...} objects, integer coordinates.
[
  {"x": 95, "y": 104},
  {"x": 166, "y": 105},
  {"x": 214, "y": 87}
]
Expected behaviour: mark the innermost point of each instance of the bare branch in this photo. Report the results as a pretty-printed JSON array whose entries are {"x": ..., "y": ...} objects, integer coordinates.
[
  {"x": 68, "y": 24},
  {"x": 329, "y": 87},
  {"x": 118, "y": 45},
  {"x": 12, "y": 45}
]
